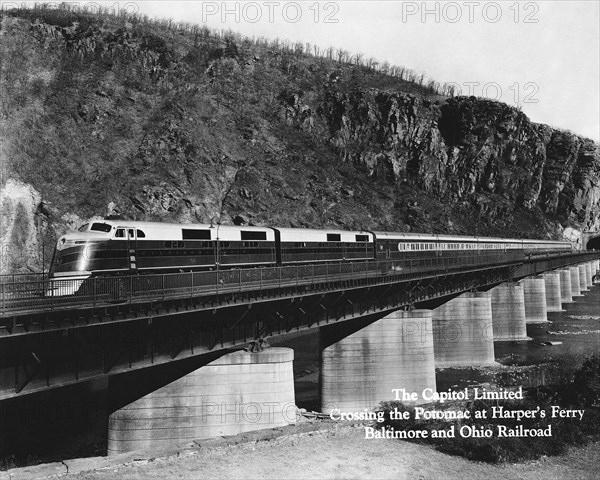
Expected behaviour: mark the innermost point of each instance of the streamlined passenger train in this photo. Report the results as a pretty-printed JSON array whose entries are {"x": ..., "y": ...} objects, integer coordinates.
[{"x": 120, "y": 247}]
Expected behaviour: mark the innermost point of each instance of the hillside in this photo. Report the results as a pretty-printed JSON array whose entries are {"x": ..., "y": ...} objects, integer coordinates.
[{"x": 103, "y": 115}]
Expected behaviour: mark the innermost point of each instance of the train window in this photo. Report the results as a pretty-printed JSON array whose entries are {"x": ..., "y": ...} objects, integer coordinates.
[
  {"x": 120, "y": 233},
  {"x": 189, "y": 234},
  {"x": 362, "y": 238},
  {"x": 83, "y": 228},
  {"x": 131, "y": 232},
  {"x": 334, "y": 237},
  {"x": 253, "y": 235},
  {"x": 101, "y": 227},
  {"x": 140, "y": 234}
]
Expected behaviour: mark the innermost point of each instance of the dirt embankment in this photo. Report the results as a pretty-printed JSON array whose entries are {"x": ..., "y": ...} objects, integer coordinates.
[{"x": 343, "y": 452}]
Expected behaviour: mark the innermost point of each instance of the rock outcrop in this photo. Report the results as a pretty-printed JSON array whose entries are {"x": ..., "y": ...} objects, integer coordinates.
[{"x": 113, "y": 117}]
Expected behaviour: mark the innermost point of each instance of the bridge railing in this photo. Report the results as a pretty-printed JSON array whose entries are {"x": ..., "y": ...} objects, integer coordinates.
[
  {"x": 22, "y": 277},
  {"x": 50, "y": 294}
]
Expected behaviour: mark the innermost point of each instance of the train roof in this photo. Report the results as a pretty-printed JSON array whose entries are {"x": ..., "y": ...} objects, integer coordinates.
[
  {"x": 317, "y": 235},
  {"x": 173, "y": 231},
  {"x": 425, "y": 237}
]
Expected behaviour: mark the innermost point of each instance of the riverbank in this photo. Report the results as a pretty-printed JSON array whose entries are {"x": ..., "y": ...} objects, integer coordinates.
[{"x": 341, "y": 451}]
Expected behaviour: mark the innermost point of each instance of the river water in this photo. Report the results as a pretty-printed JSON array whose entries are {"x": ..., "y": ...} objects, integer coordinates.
[
  {"x": 577, "y": 328},
  {"x": 574, "y": 332}
]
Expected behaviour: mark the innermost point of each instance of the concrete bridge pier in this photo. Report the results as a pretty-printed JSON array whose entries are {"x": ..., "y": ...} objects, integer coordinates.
[
  {"x": 463, "y": 332},
  {"x": 238, "y": 392},
  {"x": 508, "y": 312},
  {"x": 534, "y": 289},
  {"x": 575, "y": 285},
  {"x": 583, "y": 280},
  {"x": 566, "y": 290},
  {"x": 595, "y": 268},
  {"x": 553, "y": 296},
  {"x": 360, "y": 367},
  {"x": 566, "y": 293},
  {"x": 589, "y": 273}
]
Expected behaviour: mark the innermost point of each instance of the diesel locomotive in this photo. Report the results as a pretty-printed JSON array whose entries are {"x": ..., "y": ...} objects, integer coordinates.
[{"x": 119, "y": 247}]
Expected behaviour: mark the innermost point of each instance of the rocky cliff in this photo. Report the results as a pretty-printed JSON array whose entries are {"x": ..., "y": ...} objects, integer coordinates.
[{"x": 106, "y": 116}]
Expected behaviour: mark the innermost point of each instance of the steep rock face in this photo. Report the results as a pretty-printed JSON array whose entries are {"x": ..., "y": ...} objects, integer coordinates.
[
  {"x": 390, "y": 135},
  {"x": 579, "y": 201},
  {"x": 494, "y": 149},
  {"x": 471, "y": 150},
  {"x": 114, "y": 119},
  {"x": 20, "y": 227}
]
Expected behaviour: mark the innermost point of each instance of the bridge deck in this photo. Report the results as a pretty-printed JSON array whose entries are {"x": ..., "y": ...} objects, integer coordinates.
[
  {"x": 117, "y": 325},
  {"x": 34, "y": 294}
]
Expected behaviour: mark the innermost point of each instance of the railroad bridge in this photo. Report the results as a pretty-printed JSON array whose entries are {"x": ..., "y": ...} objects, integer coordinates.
[{"x": 158, "y": 328}]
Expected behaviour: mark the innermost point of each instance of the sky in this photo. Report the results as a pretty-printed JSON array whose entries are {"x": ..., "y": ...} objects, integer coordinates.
[{"x": 541, "y": 55}]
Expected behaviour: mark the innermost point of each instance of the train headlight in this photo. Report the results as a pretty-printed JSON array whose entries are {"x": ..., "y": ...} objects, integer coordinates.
[{"x": 61, "y": 244}]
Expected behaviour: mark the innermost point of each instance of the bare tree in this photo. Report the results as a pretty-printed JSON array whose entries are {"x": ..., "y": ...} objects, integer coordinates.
[{"x": 342, "y": 55}]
